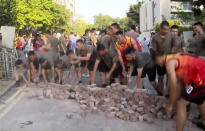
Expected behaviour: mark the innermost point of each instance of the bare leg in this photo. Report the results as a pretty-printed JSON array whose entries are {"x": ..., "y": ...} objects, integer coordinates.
[
  {"x": 59, "y": 72},
  {"x": 202, "y": 112},
  {"x": 52, "y": 74},
  {"x": 44, "y": 76},
  {"x": 181, "y": 114},
  {"x": 160, "y": 84},
  {"x": 66, "y": 77},
  {"x": 103, "y": 80},
  {"x": 73, "y": 74},
  {"x": 117, "y": 80},
  {"x": 91, "y": 76}
]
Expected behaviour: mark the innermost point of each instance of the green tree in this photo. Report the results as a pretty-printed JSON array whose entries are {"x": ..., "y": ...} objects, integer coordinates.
[
  {"x": 134, "y": 13},
  {"x": 102, "y": 21},
  {"x": 79, "y": 26},
  {"x": 26, "y": 15}
]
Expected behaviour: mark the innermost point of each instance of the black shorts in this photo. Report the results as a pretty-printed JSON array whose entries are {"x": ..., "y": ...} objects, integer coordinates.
[
  {"x": 83, "y": 63},
  {"x": 102, "y": 67},
  {"x": 91, "y": 65},
  {"x": 197, "y": 96},
  {"x": 161, "y": 71},
  {"x": 117, "y": 72},
  {"x": 134, "y": 72},
  {"x": 151, "y": 72}
]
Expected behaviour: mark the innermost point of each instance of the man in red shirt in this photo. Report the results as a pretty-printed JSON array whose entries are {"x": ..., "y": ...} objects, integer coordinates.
[{"x": 186, "y": 84}]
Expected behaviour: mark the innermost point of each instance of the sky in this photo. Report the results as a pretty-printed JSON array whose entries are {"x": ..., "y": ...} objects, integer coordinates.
[{"x": 115, "y": 8}]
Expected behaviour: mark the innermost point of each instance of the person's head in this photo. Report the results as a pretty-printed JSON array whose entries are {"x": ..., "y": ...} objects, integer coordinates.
[
  {"x": 71, "y": 33},
  {"x": 19, "y": 63},
  {"x": 93, "y": 31},
  {"x": 87, "y": 32},
  {"x": 25, "y": 38},
  {"x": 59, "y": 64},
  {"x": 101, "y": 49},
  {"x": 175, "y": 30},
  {"x": 70, "y": 53},
  {"x": 129, "y": 54},
  {"x": 115, "y": 27},
  {"x": 198, "y": 27},
  {"x": 159, "y": 58},
  {"x": 79, "y": 44},
  {"x": 120, "y": 37},
  {"x": 133, "y": 27},
  {"x": 54, "y": 34},
  {"x": 152, "y": 34},
  {"x": 164, "y": 28},
  {"x": 102, "y": 33},
  {"x": 43, "y": 62},
  {"x": 63, "y": 32},
  {"x": 109, "y": 31},
  {"x": 31, "y": 55}
]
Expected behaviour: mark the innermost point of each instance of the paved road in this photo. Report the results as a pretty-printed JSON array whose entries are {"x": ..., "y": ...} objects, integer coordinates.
[{"x": 50, "y": 115}]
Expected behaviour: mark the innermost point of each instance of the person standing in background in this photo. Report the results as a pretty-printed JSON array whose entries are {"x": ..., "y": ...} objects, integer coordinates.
[
  {"x": 26, "y": 45},
  {"x": 132, "y": 33},
  {"x": 72, "y": 39},
  {"x": 94, "y": 37},
  {"x": 86, "y": 38},
  {"x": 62, "y": 42},
  {"x": 179, "y": 44}
]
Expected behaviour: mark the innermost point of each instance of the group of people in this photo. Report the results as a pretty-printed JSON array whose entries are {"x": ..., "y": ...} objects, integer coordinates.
[{"x": 118, "y": 56}]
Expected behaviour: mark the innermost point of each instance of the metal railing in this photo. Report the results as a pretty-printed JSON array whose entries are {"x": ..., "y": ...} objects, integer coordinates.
[{"x": 7, "y": 61}]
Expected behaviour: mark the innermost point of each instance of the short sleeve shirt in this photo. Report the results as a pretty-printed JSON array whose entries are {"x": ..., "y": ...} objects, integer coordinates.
[
  {"x": 163, "y": 44},
  {"x": 178, "y": 45},
  {"x": 143, "y": 60},
  {"x": 63, "y": 42}
]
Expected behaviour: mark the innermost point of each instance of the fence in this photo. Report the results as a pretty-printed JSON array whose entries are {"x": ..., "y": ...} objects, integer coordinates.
[{"x": 7, "y": 60}]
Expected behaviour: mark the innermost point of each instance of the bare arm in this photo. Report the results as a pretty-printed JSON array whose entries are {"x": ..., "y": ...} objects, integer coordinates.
[
  {"x": 94, "y": 71},
  {"x": 120, "y": 58},
  {"x": 86, "y": 58},
  {"x": 172, "y": 83},
  {"x": 139, "y": 79},
  {"x": 134, "y": 44}
]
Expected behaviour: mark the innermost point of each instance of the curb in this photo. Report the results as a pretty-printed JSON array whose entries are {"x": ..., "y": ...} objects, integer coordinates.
[{"x": 7, "y": 89}]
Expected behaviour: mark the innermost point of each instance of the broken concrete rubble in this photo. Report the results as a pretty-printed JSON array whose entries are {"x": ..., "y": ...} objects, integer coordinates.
[{"x": 116, "y": 101}]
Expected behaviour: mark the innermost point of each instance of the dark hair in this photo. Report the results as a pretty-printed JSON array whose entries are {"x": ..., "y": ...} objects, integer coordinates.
[
  {"x": 128, "y": 51},
  {"x": 54, "y": 32},
  {"x": 164, "y": 23},
  {"x": 93, "y": 29},
  {"x": 133, "y": 27},
  {"x": 175, "y": 27},
  {"x": 119, "y": 33},
  {"x": 42, "y": 60},
  {"x": 116, "y": 25},
  {"x": 100, "y": 47},
  {"x": 156, "y": 54},
  {"x": 18, "y": 62},
  {"x": 102, "y": 31},
  {"x": 71, "y": 33},
  {"x": 31, "y": 53},
  {"x": 63, "y": 30},
  {"x": 69, "y": 52},
  {"x": 80, "y": 41},
  {"x": 86, "y": 31},
  {"x": 198, "y": 24}
]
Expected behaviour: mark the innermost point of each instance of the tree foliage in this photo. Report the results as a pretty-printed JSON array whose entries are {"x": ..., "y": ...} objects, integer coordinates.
[
  {"x": 103, "y": 21},
  {"x": 134, "y": 14},
  {"x": 27, "y": 15}
]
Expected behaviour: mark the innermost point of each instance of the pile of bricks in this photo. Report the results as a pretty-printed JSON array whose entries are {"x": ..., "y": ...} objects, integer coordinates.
[{"x": 115, "y": 100}]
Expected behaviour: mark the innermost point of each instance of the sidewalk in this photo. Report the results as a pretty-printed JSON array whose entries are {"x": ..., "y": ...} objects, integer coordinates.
[{"x": 5, "y": 86}]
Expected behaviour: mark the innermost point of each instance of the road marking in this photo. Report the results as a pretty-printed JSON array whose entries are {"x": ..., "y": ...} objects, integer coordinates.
[
  {"x": 11, "y": 105},
  {"x": 12, "y": 97},
  {"x": 15, "y": 94}
]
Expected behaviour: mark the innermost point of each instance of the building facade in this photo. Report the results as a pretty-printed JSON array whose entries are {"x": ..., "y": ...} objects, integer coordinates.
[
  {"x": 69, "y": 4},
  {"x": 155, "y": 11}
]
